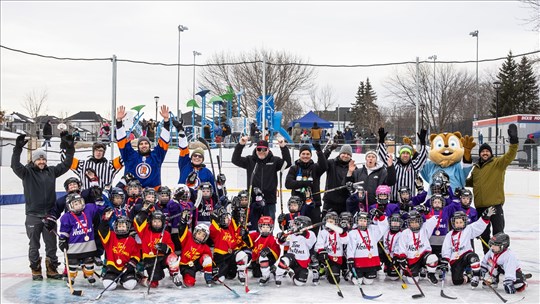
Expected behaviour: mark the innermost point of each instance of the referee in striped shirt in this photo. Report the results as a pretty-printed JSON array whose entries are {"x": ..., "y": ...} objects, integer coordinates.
[{"x": 408, "y": 164}]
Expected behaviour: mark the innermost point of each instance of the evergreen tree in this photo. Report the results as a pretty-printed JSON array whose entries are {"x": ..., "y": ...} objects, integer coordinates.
[
  {"x": 358, "y": 108},
  {"x": 509, "y": 88},
  {"x": 373, "y": 116},
  {"x": 528, "y": 101}
]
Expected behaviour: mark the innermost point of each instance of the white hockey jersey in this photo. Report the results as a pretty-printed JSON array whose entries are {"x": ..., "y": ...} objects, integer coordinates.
[
  {"x": 300, "y": 246},
  {"x": 412, "y": 245},
  {"x": 333, "y": 243},
  {"x": 362, "y": 245},
  {"x": 507, "y": 260},
  {"x": 390, "y": 242},
  {"x": 456, "y": 244}
]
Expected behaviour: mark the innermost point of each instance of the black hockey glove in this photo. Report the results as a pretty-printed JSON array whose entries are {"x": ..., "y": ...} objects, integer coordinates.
[
  {"x": 67, "y": 142},
  {"x": 265, "y": 252},
  {"x": 131, "y": 265},
  {"x": 333, "y": 146},
  {"x": 317, "y": 146},
  {"x": 376, "y": 212},
  {"x": 192, "y": 178},
  {"x": 179, "y": 125},
  {"x": 184, "y": 218},
  {"x": 509, "y": 286},
  {"x": 422, "y": 209},
  {"x": 163, "y": 248},
  {"x": 63, "y": 244},
  {"x": 350, "y": 187},
  {"x": 350, "y": 264},
  {"x": 382, "y": 135},
  {"x": 282, "y": 220},
  {"x": 322, "y": 257},
  {"x": 49, "y": 221},
  {"x": 422, "y": 136},
  {"x": 107, "y": 213},
  {"x": 281, "y": 237},
  {"x": 221, "y": 179},
  {"x": 486, "y": 215},
  {"x": 96, "y": 193},
  {"x": 20, "y": 141},
  {"x": 419, "y": 183},
  {"x": 400, "y": 262},
  {"x": 444, "y": 265},
  {"x": 513, "y": 134}
]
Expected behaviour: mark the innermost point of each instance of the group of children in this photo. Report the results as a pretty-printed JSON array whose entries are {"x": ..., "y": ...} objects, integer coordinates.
[{"x": 145, "y": 233}]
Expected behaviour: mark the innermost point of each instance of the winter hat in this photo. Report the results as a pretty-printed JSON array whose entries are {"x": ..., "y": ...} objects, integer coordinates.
[
  {"x": 346, "y": 149},
  {"x": 304, "y": 148},
  {"x": 262, "y": 144},
  {"x": 37, "y": 154},
  {"x": 405, "y": 148},
  {"x": 144, "y": 138},
  {"x": 485, "y": 146},
  {"x": 198, "y": 151},
  {"x": 371, "y": 152}
]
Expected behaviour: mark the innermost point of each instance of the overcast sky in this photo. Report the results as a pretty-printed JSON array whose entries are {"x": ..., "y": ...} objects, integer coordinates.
[{"x": 321, "y": 32}]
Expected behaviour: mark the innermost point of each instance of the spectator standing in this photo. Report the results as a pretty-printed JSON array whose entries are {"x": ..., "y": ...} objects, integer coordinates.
[{"x": 47, "y": 134}]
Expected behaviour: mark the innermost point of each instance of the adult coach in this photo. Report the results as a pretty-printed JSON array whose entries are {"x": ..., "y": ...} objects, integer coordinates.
[
  {"x": 264, "y": 176},
  {"x": 487, "y": 180},
  {"x": 39, "y": 184}
]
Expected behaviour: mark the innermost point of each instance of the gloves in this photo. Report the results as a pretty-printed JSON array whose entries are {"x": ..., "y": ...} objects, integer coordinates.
[
  {"x": 208, "y": 277},
  {"x": 468, "y": 144},
  {"x": 350, "y": 186},
  {"x": 129, "y": 177},
  {"x": 422, "y": 209},
  {"x": 265, "y": 252},
  {"x": 49, "y": 221},
  {"x": 131, "y": 265},
  {"x": 282, "y": 220},
  {"x": 96, "y": 193},
  {"x": 317, "y": 146},
  {"x": 400, "y": 262},
  {"x": 444, "y": 265},
  {"x": 223, "y": 201},
  {"x": 221, "y": 179},
  {"x": 350, "y": 264},
  {"x": 486, "y": 215},
  {"x": 509, "y": 284},
  {"x": 184, "y": 218},
  {"x": 382, "y": 135},
  {"x": 457, "y": 192},
  {"x": 162, "y": 247},
  {"x": 192, "y": 178},
  {"x": 422, "y": 136},
  {"x": 67, "y": 142},
  {"x": 179, "y": 125},
  {"x": 513, "y": 134},
  {"x": 177, "y": 278},
  {"x": 63, "y": 244},
  {"x": 419, "y": 183},
  {"x": 20, "y": 141},
  {"x": 323, "y": 256},
  {"x": 281, "y": 237},
  {"x": 243, "y": 231},
  {"x": 333, "y": 146},
  {"x": 376, "y": 212},
  {"x": 107, "y": 214}
]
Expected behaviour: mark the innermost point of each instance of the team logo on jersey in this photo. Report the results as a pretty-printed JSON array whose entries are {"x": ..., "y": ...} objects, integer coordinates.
[{"x": 143, "y": 170}]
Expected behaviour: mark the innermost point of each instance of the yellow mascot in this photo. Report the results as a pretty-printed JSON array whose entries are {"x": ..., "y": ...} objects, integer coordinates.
[{"x": 451, "y": 153}]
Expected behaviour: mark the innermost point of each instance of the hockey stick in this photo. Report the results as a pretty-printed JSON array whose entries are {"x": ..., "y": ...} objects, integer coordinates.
[
  {"x": 442, "y": 287},
  {"x": 334, "y": 189},
  {"x": 204, "y": 142},
  {"x": 287, "y": 233},
  {"x": 250, "y": 190},
  {"x": 365, "y": 296},
  {"x": 114, "y": 281},
  {"x": 333, "y": 278},
  {"x": 236, "y": 295},
  {"x": 416, "y": 296},
  {"x": 155, "y": 262},
  {"x": 246, "y": 282},
  {"x": 71, "y": 290},
  {"x": 281, "y": 184},
  {"x": 495, "y": 291},
  {"x": 404, "y": 284}
]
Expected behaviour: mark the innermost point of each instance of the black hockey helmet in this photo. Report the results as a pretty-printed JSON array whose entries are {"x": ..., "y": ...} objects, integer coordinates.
[
  {"x": 459, "y": 215},
  {"x": 415, "y": 217},
  {"x": 396, "y": 222},
  {"x": 345, "y": 220},
  {"x": 122, "y": 220},
  {"x": 301, "y": 222},
  {"x": 72, "y": 180},
  {"x": 295, "y": 199},
  {"x": 157, "y": 215},
  {"x": 115, "y": 191},
  {"x": 500, "y": 239},
  {"x": 71, "y": 201}
]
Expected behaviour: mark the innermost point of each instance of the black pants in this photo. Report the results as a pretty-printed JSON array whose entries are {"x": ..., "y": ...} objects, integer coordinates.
[
  {"x": 34, "y": 230},
  {"x": 496, "y": 221}
]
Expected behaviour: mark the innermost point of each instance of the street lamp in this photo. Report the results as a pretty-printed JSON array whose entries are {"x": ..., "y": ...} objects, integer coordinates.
[
  {"x": 181, "y": 28},
  {"x": 475, "y": 34},
  {"x": 497, "y": 85},
  {"x": 156, "y": 98},
  {"x": 422, "y": 106},
  {"x": 434, "y": 57},
  {"x": 195, "y": 54}
]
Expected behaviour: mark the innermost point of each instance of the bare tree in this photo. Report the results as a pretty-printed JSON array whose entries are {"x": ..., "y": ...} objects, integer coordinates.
[
  {"x": 534, "y": 18},
  {"x": 35, "y": 104},
  {"x": 285, "y": 78},
  {"x": 450, "y": 100},
  {"x": 321, "y": 99}
]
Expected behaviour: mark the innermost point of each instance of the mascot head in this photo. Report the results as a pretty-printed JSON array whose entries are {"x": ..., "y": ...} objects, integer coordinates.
[{"x": 446, "y": 148}]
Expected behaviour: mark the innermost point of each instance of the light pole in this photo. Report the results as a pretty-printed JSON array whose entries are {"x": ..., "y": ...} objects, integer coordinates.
[
  {"x": 497, "y": 85},
  {"x": 156, "y": 98},
  {"x": 422, "y": 106},
  {"x": 475, "y": 34},
  {"x": 181, "y": 28},
  {"x": 434, "y": 57},
  {"x": 195, "y": 54}
]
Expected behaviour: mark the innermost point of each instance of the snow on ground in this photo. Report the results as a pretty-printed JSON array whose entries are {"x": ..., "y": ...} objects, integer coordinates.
[{"x": 522, "y": 224}]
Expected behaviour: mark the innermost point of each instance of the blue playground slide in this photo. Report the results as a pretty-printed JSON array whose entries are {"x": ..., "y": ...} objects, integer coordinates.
[{"x": 278, "y": 128}]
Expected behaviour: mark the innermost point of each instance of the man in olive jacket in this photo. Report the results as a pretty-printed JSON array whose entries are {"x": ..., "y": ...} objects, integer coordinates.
[
  {"x": 39, "y": 183},
  {"x": 487, "y": 180}
]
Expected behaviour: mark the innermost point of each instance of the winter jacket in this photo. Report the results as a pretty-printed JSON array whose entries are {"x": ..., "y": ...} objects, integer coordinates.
[
  {"x": 296, "y": 133},
  {"x": 370, "y": 181},
  {"x": 316, "y": 133},
  {"x": 265, "y": 177},
  {"x": 39, "y": 185},
  {"x": 487, "y": 179},
  {"x": 336, "y": 172},
  {"x": 307, "y": 175},
  {"x": 47, "y": 130}
]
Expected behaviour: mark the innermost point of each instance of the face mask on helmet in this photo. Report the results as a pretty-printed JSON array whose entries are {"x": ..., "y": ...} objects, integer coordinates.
[
  {"x": 362, "y": 220},
  {"x": 396, "y": 222},
  {"x": 164, "y": 194},
  {"x": 404, "y": 195},
  {"x": 415, "y": 221},
  {"x": 345, "y": 220},
  {"x": 75, "y": 203},
  {"x": 206, "y": 190},
  {"x": 331, "y": 218},
  {"x": 294, "y": 204},
  {"x": 437, "y": 202},
  {"x": 499, "y": 242},
  {"x": 466, "y": 198},
  {"x": 157, "y": 221},
  {"x": 266, "y": 225},
  {"x": 382, "y": 192},
  {"x": 149, "y": 195},
  {"x": 117, "y": 200},
  {"x": 300, "y": 222},
  {"x": 122, "y": 226},
  {"x": 134, "y": 189},
  {"x": 201, "y": 233},
  {"x": 459, "y": 221},
  {"x": 182, "y": 193},
  {"x": 436, "y": 188},
  {"x": 72, "y": 185},
  {"x": 360, "y": 192}
]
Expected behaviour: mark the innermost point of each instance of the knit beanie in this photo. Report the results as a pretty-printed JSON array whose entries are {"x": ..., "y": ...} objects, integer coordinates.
[
  {"x": 144, "y": 138},
  {"x": 304, "y": 148},
  {"x": 346, "y": 149},
  {"x": 485, "y": 146},
  {"x": 198, "y": 151},
  {"x": 37, "y": 154},
  {"x": 371, "y": 152},
  {"x": 405, "y": 148}
]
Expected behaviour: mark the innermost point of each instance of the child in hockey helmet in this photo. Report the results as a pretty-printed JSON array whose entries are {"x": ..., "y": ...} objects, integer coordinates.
[
  {"x": 466, "y": 198},
  {"x": 121, "y": 226},
  {"x": 157, "y": 221},
  {"x": 134, "y": 189},
  {"x": 206, "y": 190},
  {"x": 362, "y": 220},
  {"x": 243, "y": 199},
  {"x": 499, "y": 242},
  {"x": 383, "y": 194},
  {"x": 75, "y": 203},
  {"x": 223, "y": 217},
  {"x": 415, "y": 221},
  {"x": 459, "y": 220},
  {"x": 118, "y": 197},
  {"x": 301, "y": 222},
  {"x": 396, "y": 222},
  {"x": 436, "y": 187},
  {"x": 72, "y": 185},
  {"x": 345, "y": 220},
  {"x": 404, "y": 196},
  {"x": 181, "y": 193},
  {"x": 201, "y": 232},
  {"x": 164, "y": 195},
  {"x": 437, "y": 202},
  {"x": 149, "y": 195},
  {"x": 266, "y": 225},
  {"x": 294, "y": 204},
  {"x": 331, "y": 218}
]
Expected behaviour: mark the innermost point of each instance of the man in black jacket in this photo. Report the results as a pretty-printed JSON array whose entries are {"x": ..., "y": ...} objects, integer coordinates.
[
  {"x": 335, "y": 173},
  {"x": 39, "y": 183},
  {"x": 265, "y": 174}
]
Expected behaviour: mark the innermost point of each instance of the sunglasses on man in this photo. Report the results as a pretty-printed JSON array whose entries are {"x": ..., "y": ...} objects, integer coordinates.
[{"x": 262, "y": 149}]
